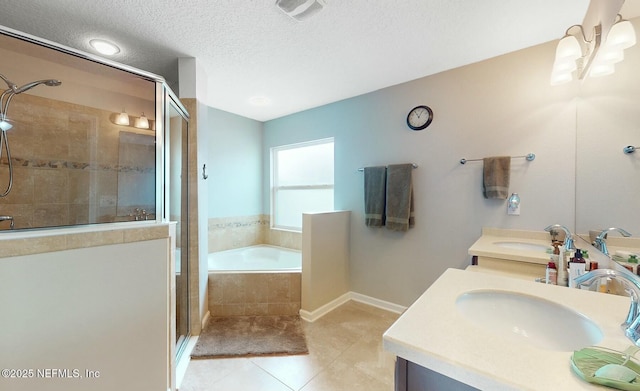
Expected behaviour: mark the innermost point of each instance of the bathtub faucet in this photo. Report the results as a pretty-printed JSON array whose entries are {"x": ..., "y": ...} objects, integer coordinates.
[{"x": 8, "y": 218}]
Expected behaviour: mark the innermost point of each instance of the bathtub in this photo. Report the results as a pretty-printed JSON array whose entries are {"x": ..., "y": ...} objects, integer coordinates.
[
  {"x": 256, "y": 280},
  {"x": 256, "y": 259}
]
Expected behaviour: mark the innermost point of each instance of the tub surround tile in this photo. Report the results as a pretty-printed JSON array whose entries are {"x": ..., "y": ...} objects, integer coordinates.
[
  {"x": 284, "y": 308},
  {"x": 257, "y": 309},
  {"x": 257, "y": 288},
  {"x": 226, "y": 233},
  {"x": 234, "y": 294}
]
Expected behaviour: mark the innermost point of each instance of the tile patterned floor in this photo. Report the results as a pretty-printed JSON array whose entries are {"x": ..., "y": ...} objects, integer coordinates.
[{"x": 345, "y": 354}]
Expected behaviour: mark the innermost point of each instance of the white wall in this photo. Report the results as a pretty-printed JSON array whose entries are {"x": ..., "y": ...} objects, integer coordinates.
[
  {"x": 503, "y": 106},
  {"x": 103, "y": 309},
  {"x": 234, "y": 152},
  {"x": 325, "y": 258}
]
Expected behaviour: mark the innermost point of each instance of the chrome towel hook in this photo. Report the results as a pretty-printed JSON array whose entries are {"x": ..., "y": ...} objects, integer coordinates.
[
  {"x": 204, "y": 172},
  {"x": 629, "y": 149}
]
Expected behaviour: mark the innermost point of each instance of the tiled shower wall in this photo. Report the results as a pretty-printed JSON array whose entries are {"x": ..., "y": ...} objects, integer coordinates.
[
  {"x": 242, "y": 231},
  {"x": 68, "y": 161}
]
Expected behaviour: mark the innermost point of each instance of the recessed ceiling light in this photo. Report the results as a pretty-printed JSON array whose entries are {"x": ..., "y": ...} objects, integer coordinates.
[
  {"x": 259, "y": 100},
  {"x": 104, "y": 47}
]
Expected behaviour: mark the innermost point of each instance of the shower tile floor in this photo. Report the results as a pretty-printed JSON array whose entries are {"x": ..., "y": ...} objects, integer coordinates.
[{"x": 345, "y": 353}]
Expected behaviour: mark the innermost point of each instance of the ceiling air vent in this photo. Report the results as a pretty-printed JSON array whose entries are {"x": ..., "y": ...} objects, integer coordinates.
[{"x": 300, "y": 9}]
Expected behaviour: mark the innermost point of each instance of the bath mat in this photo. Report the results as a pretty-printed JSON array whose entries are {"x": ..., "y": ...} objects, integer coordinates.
[{"x": 245, "y": 336}]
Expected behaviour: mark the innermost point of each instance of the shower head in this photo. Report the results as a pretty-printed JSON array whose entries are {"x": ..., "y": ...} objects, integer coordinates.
[{"x": 28, "y": 86}]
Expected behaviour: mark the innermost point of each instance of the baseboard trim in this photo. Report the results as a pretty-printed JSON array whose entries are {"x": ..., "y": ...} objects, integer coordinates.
[
  {"x": 312, "y": 316},
  {"x": 372, "y": 301}
]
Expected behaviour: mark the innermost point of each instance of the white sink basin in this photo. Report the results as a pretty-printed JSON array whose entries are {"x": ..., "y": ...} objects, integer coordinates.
[
  {"x": 523, "y": 246},
  {"x": 529, "y": 319}
]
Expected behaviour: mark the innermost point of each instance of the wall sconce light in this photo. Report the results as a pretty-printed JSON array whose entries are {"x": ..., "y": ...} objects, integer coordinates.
[
  {"x": 591, "y": 57},
  {"x": 122, "y": 118},
  {"x": 142, "y": 122}
]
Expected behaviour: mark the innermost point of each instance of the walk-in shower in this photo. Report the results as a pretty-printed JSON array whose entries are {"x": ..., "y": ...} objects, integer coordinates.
[{"x": 5, "y": 99}]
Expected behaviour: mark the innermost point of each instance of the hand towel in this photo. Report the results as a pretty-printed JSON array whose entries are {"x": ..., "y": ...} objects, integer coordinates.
[
  {"x": 400, "y": 197},
  {"x": 374, "y": 195},
  {"x": 496, "y": 177}
]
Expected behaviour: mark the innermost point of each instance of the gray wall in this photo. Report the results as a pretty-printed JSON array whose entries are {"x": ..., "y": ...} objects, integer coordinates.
[
  {"x": 235, "y": 165},
  {"x": 503, "y": 106}
]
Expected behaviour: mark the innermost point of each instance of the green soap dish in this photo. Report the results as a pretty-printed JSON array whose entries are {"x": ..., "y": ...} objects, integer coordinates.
[{"x": 608, "y": 367}]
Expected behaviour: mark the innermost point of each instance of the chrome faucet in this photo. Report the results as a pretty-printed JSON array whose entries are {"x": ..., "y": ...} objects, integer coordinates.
[
  {"x": 568, "y": 238},
  {"x": 600, "y": 242},
  {"x": 631, "y": 325},
  {"x": 8, "y": 218}
]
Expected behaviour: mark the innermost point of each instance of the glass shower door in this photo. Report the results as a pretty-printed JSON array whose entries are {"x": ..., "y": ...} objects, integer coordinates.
[{"x": 176, "y": 136}]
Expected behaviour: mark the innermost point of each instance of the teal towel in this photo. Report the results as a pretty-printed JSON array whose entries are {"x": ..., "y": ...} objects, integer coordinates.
[
  {"x": 374, "y": 196},
  {"x": 399, "y": 211}
]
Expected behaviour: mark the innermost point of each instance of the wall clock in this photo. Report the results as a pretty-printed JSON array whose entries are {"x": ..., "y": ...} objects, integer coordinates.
[{"x": 419, "y": 117}]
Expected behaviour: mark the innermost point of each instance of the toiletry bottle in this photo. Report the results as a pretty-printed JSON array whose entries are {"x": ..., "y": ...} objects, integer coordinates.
[
  {"x": 576, "y": 268},
  {"x": 551, "y": 274},
  {"x": 585, "y": 256},
  {"x": 603, "y": 285},
  {"x": 562, "y": 268}
]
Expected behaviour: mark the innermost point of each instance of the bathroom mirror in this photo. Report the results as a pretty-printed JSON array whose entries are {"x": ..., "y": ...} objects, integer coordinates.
[
  {"x": 136, "y": 176},
  {"x": 607, "y": 179},
  {"x": 72, "y": 163}
]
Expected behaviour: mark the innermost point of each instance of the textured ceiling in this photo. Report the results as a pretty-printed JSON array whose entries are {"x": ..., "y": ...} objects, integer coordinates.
[{"x": 249, "y": 47}]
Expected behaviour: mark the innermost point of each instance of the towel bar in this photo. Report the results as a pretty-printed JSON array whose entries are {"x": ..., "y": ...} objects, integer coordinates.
[
  {"x": 529, "y": 157},
  {"x": 413, "y": 164}
]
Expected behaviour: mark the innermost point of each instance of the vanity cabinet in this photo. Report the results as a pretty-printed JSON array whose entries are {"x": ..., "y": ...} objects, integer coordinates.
[
  {"x": 527, "y": 270},
  {"x": 410, "y": 376}
]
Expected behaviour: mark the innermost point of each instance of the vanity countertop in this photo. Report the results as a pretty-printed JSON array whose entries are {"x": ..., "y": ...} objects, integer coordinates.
[
  {"x": 486, "y": 245},
  {"x": 433, "y": 334}
]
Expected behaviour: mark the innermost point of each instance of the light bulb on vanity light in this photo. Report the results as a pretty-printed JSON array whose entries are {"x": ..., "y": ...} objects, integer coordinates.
[
  {"x": 4, "y": 125},
  {"x": 142, "y": 122},
  {"x": 122, "y": 118}
]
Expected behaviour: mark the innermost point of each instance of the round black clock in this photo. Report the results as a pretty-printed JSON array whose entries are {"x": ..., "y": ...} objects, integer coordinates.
[{"x": 419, "y": 117}]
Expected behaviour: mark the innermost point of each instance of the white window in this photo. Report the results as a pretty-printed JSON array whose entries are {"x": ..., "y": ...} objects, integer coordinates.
[{"x": 301, "y": 182}]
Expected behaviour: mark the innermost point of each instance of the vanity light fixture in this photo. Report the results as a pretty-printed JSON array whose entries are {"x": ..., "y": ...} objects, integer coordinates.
[
  {"x": 142, "y": 122},
  {"x": 5, "y": 125},
  {"x": 122, "y": 118},
  {"x": 300, "y": 9},
  {"x": 104, "y": 47},
  {"x": 593, "y": 57}
]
